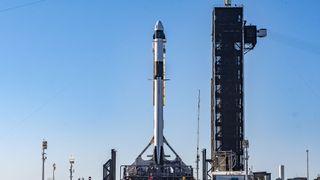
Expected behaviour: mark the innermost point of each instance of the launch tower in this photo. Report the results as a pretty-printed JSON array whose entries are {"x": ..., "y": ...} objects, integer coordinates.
[{"x": 231, "y": 39}]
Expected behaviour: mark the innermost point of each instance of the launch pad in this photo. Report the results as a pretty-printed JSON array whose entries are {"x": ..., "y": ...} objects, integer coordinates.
[
  {"x": 142, "y": 169},
  {"x": 232, "y": 38}
]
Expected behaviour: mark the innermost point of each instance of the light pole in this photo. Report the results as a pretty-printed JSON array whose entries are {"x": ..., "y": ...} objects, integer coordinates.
[
  {"x": 44, "y": 147},
  {"x": 54, "y": 169},
  {"x": 246, "y": 146},
  {"x": 71, "y": 161},
  {"x": 307, "y": 164}
]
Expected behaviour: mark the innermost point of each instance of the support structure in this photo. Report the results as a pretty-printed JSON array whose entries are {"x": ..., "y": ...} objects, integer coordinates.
[
  {"x": 205, "y": 162},
  {"x": 231, "y": 39},
  {"x": 109, "y": 168},
  {"x": 227, "y": 89}
]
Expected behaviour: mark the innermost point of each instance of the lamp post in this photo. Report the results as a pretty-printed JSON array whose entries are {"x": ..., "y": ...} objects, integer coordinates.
[
  {"x": 54, "y": 169},
  {"x": 71, "y": 161},
  {"x": 307, "y": 164},
  {"x": 44, "y": 147},
  {"x": 246, "y": 146}
]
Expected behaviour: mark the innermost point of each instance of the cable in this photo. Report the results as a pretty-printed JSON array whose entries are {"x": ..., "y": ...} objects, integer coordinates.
[
  {"x": 21, "y": 6},
  {"x": 32, "y": 113},
  {"x": 296, "y": 43},
  {"x": 302, "y": 45}
]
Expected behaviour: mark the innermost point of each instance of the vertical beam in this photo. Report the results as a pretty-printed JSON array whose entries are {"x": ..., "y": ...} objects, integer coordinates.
[
  {"x": 113, "y": 164},
  {"x": 109, "y": 168},
  {"x": 204, "y": 165},
  {"x": 307, "y": 164}
]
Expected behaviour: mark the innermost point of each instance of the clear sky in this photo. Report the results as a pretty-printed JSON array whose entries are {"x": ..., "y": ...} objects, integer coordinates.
[{"x": 76, "y": 73}]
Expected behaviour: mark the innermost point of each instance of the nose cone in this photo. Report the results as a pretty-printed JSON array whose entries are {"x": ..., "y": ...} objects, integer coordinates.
[
  {"x": 158, "y": 26},
  {"x": 158, "y": 31}
]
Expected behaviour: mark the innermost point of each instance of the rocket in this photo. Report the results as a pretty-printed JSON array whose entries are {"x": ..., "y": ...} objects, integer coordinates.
[
  {"x": 158, "y": 167},
  {"x": 159, "y": 51}
]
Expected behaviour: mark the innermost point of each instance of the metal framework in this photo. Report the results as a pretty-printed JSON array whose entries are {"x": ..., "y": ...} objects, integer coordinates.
[
  {"x": 227, "y": 86},
  {"x": 143, "y": 169},
  {"x": 159, "y": 172},
  {"x": 109, "y": 168},
  {"x": 231, "y": 39},
  {"x": 205, "y": 162}
]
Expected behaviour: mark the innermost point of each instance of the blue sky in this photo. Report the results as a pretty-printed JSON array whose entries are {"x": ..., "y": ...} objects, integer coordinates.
[{"x": 76, "y": 73}]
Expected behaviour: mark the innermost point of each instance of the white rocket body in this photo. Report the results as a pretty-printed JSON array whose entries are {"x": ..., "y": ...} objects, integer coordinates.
[{"x": 158, "y": 90}]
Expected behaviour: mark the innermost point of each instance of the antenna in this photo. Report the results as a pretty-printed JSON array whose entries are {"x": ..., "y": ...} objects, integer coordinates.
[{"x": 198, "y": 155}]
